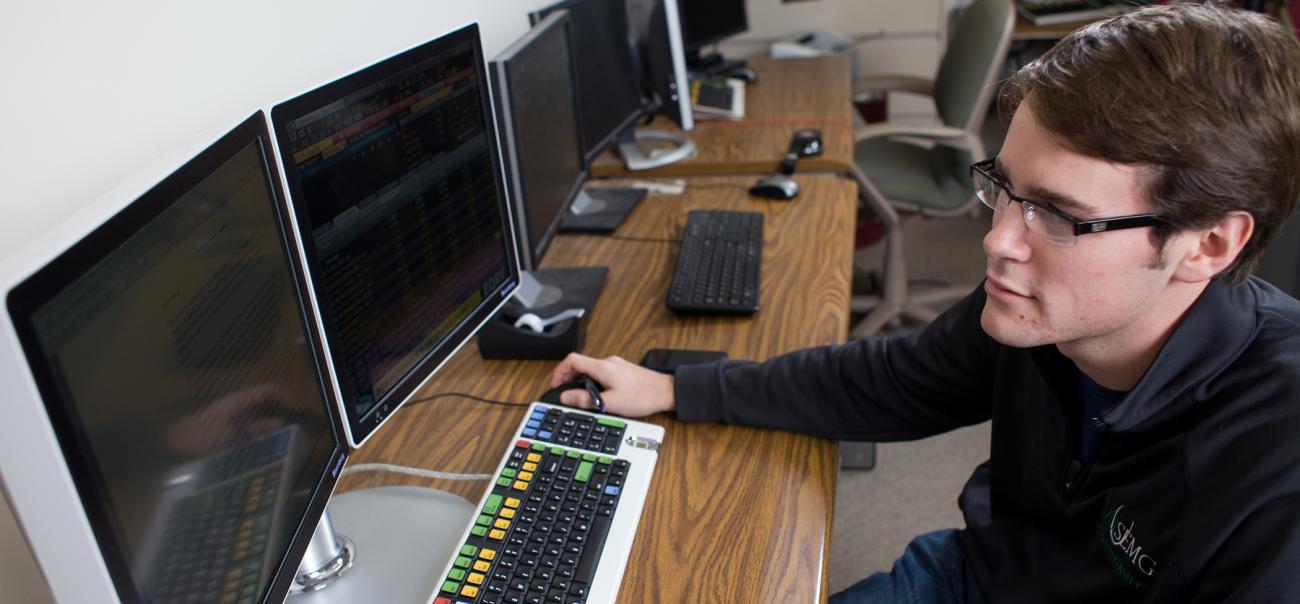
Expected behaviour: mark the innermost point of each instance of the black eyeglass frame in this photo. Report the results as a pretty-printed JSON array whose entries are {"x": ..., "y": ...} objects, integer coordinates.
[{"x": 1081, "y": 227}]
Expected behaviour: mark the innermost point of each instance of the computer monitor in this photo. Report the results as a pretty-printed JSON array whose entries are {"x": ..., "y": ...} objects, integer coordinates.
[
  {"x": 663, "y": 59},
  {"x": 707, "y": 22},
  {"x": 533, "y": 83},
  {"x": 401, "y": 217},
  {"x": 537, "y": 110},
  {"x": 167, "y": 435},
  {"x": 608, "y": 95},
  {"x": 609, "y": 90}
]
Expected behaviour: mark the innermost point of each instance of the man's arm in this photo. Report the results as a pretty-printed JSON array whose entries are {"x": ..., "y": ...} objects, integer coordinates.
[
  {"x": 879, "y": 389},
  {"x": 873, "y": 389}
]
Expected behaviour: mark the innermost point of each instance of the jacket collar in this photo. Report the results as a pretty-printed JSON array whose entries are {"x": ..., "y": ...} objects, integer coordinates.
[{"x": 1217, "y": 328}]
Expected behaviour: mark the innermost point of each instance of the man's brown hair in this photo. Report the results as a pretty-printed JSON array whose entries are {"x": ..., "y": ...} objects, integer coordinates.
[{"x": 1206, "y": 98}]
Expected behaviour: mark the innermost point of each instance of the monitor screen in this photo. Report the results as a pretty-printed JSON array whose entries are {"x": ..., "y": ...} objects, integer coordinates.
[
  {"x": 609, "y": 96},
  {"x": 176, "y": 366},
  {"x": 401, "y": 214},
  {"x": 707, "y": 21},
  {"x": 537, "y": 110}
]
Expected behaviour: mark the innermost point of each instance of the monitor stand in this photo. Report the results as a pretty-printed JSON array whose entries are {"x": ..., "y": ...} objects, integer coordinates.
[
  {"x": 547, "y": 291},
  {"x": 712, "y": 63},
  {"x": 384, "y": 544},
  {"x": 600, "y": 210},
  {"x": 635, "y": 159}
]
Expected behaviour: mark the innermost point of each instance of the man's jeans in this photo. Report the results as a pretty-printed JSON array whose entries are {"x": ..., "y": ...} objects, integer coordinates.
[{"x": 932, "y": 570}]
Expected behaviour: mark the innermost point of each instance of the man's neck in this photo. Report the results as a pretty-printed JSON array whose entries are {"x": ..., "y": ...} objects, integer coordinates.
[{"x": 1118, "y": 360}]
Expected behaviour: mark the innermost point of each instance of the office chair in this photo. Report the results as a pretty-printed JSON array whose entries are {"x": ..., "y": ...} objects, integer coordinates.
[{"x": 922, "y": 169}]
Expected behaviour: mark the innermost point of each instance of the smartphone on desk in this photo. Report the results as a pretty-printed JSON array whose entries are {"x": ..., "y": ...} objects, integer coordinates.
[{"x": 667, "y": 360}]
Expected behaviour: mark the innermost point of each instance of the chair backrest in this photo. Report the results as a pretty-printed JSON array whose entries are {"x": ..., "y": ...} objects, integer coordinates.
[{"x": 976, "y": 53}]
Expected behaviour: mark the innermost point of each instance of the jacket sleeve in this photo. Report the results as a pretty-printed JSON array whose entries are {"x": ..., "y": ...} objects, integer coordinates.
[
  {"x": 878, "y": 389},
  {"x": 1259, "y": 562}
]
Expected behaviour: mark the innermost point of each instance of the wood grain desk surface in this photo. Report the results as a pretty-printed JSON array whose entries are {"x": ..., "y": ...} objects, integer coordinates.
[
  {"x": 734, "y": 514},
  {"x": 790, "y": 94}
]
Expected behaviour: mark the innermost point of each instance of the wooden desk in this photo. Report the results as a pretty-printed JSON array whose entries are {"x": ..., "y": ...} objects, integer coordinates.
[
  {"x": 790, "y": 94},
  {"x": 1025, "y": 30},
  {"x": 734, "y": 514}
]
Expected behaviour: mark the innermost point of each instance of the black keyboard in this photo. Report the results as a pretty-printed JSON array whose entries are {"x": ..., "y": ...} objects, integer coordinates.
[{"x": 719, "y": 264}]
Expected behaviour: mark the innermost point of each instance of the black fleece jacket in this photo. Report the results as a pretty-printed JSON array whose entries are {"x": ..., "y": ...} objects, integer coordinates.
[{"x": 1194, "y": 495}]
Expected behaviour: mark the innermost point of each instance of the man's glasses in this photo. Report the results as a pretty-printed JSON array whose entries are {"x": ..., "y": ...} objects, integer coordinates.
[{"x": 1056, "y": 227}]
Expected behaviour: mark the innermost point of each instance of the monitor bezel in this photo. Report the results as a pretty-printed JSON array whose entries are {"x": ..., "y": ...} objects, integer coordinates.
[
  {"x": 619, "y": 16},
  {"x": 359, "y": 428},
  {"x": 509, "y": 128},
  {"x": 37, "y": 289}
]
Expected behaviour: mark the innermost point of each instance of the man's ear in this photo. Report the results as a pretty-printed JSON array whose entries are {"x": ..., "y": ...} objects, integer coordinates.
[{"x": 1214, "y": 249}]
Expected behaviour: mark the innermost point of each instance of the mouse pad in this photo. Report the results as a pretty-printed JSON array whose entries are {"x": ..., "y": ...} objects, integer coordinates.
[{"x": 611, "y": 208}]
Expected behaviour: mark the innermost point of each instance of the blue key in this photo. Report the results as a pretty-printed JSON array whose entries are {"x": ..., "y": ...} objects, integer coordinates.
[
  {"x": 534, "y": 423},
  {"x": 541, "y": 409},
  {"x": 544, "y": 434},
  {"x": 611, "y": 490},
  {"x": 530, "y": 433}
]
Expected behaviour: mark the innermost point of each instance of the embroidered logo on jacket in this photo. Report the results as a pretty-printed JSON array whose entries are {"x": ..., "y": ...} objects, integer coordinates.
[{"x": 1120, "y": 540}]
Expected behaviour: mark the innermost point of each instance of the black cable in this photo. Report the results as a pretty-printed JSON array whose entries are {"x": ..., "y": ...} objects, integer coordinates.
[
  {"x": 412, "y": 403},
  {"x": 647, "y": 239}
]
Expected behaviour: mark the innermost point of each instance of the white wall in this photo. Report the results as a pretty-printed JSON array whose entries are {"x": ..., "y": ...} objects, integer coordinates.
[{"x": 93, "y": 93}]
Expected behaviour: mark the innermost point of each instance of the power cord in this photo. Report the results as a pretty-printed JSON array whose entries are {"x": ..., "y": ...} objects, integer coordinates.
[
  {"x": 409, "y": 471},
  {"x": 645, "y": 239},
  {"x": 413, "y": 402}
]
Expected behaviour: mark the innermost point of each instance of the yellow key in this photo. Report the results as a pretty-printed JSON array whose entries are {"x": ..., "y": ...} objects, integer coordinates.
[
  {"x": 521, "y": 485},
  {"x": 469, "y": 591},
  {"x": 533, "y": 457},
  {"x": 496, "y": 535},
  {"x": 487, "y": 554},
  {"x": 507, "y": 513},
  {"x": 502, "y": 524},
  {"x": 482, "y": 566},
  {"x": 525, "y": 476},
  {"x": 512, "y": 503},
  {"x": 530, "y": 467},
  {"x": 475, "y": 578}
]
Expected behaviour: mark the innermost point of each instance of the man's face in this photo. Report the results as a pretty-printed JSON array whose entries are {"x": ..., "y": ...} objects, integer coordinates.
[{"x": 1103, "y": 288}]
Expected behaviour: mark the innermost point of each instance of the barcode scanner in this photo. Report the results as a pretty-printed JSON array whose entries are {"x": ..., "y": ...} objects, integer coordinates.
[{"x": 782, "y": 185}]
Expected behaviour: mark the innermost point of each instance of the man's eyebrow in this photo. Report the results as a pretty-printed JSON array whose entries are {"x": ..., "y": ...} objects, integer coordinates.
[{"x": 1057, "y": 201}]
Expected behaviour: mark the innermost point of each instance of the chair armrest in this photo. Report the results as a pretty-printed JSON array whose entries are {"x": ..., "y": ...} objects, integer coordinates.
[
  {"x": 897, "y": 83},
  {"x": 936, "y": 133}
]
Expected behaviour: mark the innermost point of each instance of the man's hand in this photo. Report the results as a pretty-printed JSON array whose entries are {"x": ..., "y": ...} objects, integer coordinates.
[{"x": 630, "y": 390}]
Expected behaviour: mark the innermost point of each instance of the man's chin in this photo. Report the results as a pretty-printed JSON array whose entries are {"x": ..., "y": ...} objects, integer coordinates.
[{"x": 1007, "y": 331}]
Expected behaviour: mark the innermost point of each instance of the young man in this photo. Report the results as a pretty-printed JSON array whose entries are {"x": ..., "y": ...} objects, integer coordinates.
[{"x": 1142, "y": 389}]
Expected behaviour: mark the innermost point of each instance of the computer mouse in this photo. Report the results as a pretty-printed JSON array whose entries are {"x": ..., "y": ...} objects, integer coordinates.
[
  {"x": 743, "y": 73},
  {"x": 581, "y": 382},
  {"x": 776, "y": 186}
]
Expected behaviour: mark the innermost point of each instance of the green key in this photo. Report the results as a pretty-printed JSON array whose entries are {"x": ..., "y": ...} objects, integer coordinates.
[
  {"x": 468, "y": 550},
  {"x": 493, "y": 504},
  {"x": 456, "y": 574},
  {"x": 539, "y": 447},
  {"x": 478, "y": 531},
  {"x": 462, "y": 561},
  {"x": 509, "y": 472},
  {"x": 606, "y": 460},
  {"x": 613, "y": 423},
  {"x": 573, "y": 454},
  {"x": 503, "y": 482},
  {"x": 588, "y": 457},
  {"x": 484, "y": 520},
  {"x": 557, "y": 450},
  {"x": 584, "y": 472},
  {"x": 450, "y": 586}
]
